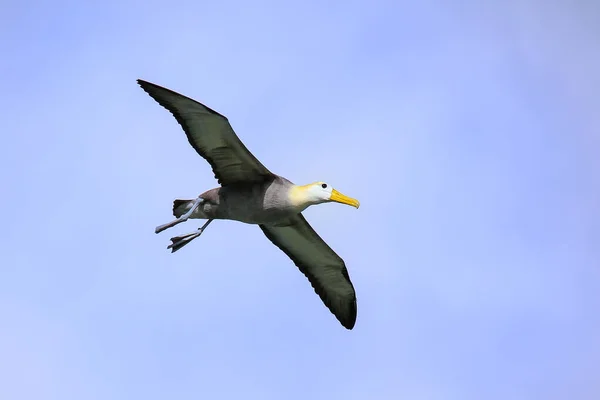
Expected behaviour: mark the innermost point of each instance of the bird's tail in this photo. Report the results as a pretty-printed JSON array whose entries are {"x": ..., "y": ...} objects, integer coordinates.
[{"x": 180, "y": 207}]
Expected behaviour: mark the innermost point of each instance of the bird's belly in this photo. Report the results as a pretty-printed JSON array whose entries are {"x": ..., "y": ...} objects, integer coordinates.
[
  {"x": 252, "y": 215},
  {"x": 257, "y": 204}
]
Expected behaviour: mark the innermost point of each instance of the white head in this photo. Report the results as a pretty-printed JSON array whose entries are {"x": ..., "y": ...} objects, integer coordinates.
[{"x": 320, "y": 192}]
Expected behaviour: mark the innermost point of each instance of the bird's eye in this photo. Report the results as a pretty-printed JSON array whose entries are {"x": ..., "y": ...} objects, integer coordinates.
[{"x": 324, "y": 186}]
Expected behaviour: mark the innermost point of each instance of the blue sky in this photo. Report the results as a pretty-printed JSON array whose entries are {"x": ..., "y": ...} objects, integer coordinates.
[{"x": 469, "y": 132}]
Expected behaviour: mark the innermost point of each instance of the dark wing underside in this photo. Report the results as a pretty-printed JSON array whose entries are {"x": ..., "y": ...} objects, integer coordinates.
[
  {"x": 211, "y": 135},
  {"x": 324, "y": 269}
]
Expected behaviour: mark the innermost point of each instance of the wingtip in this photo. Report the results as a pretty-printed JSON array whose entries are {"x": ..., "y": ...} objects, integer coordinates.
[
  {"x": 143, "y": 84},
  {"x": 349, "y": 323},
  {"x": 350, "y": 318}
]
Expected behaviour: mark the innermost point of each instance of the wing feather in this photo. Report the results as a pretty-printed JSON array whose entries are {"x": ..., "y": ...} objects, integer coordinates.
[
  {"x": 211, "y": 135},
  {"x": 325, "y": 270}
]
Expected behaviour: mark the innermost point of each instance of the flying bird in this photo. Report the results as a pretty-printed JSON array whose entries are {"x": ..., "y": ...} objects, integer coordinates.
[{"x": 252, "y": 194}]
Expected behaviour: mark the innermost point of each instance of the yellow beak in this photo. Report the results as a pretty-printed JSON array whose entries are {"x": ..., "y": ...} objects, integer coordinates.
[{"x": 340, "y": 198}]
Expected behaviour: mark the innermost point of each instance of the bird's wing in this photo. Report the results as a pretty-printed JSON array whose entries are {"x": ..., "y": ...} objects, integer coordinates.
[
  {"x": 324, "y": 269},
  {"x": 211, "y": 135}
]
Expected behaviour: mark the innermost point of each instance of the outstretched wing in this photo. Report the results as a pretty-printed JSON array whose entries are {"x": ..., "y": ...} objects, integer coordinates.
[
  {"x": 325, "y": 270},
  {"x": 211, "y": 135}
]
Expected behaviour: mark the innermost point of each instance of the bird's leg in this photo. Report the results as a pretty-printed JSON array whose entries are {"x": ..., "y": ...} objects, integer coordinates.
[
  {"x": 181, "y": 219},
  {"x": 180, "y": 241}
]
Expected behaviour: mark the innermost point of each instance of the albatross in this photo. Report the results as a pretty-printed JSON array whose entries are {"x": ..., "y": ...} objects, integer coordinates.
[{"x": 252, "y": 194}]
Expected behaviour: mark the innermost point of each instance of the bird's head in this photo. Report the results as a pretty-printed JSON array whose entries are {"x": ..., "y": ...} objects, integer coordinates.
[{"x": 320, "y": 192}]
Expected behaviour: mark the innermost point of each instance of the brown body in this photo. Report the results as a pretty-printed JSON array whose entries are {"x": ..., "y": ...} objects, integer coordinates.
[{"x": 266, "y": 203}]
